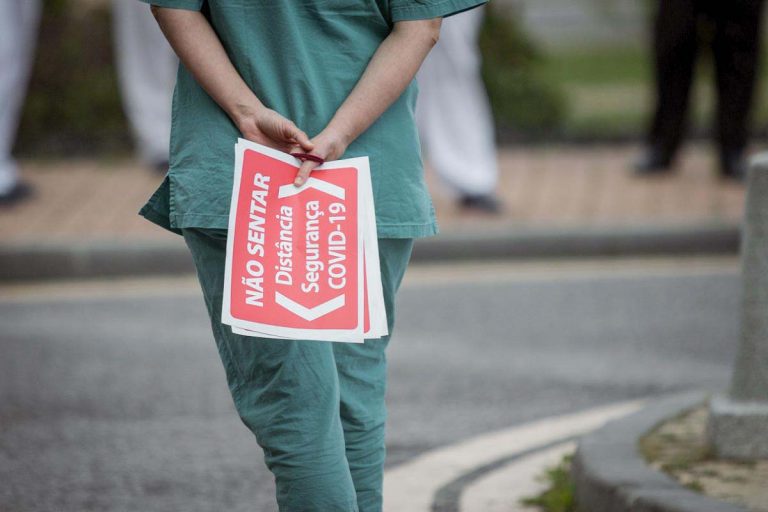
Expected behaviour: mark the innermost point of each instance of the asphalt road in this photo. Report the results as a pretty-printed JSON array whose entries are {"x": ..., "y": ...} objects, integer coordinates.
[{"x": 112, "y": 397}]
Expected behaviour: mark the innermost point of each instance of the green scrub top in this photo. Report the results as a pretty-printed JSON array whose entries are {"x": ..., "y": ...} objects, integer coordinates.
[{"x": 302, "y": 59}]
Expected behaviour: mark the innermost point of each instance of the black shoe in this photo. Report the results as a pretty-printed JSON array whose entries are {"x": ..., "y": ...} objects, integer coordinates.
[
  {"x": 18, "y": 193},
  {"x": 652, "y": 162},
  {"x": 484, "y": 203},
  {"x": 733, "y": 166}
]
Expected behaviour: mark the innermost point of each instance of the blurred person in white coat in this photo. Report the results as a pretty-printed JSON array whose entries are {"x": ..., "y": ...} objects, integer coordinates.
[
  {"x": 454, "y": 116},
  {"x": 146, "y": 68},
  {"x": 147, "y": 72},
  {"x": 18, "y": 33}
]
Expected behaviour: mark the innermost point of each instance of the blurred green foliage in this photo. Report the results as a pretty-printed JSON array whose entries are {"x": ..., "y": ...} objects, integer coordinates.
[
  {"x": 73, "y": 105},
  {"x": 559, "y": 492},
  {"x": 608, "y": 90},
  {"x": 524, "y": 102}
]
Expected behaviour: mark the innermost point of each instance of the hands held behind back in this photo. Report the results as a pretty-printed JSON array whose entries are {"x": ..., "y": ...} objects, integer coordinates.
[
  {"x": 328, "y": 145},
  {"x": 267, "y": 127}
]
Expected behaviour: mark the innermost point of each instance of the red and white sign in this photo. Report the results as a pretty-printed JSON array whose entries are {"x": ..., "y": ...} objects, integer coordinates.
[{"x": 302, "y": 262}]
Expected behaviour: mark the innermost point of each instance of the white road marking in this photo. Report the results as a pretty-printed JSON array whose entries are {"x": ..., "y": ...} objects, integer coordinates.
[
  {"x": 502, "y": 490},
  {"x": 411, "y": 487}
]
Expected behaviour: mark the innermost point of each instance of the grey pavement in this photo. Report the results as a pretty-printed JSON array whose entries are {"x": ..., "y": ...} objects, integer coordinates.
[{"x": 112, "y": 396}]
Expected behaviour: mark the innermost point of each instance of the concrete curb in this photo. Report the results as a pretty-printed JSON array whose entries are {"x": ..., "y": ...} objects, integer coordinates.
[
  {"x": 581, "y": 242},
  {"x": 121, "y": 258},
  {"x": 102, "y": 259},
  {"x": 611, "y": 475}
]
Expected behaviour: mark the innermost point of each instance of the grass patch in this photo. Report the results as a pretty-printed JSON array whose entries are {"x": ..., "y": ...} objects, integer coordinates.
[
  {"x": 608, "y": 91},
  {"x": 597, "y": 65},
  {"x": 559, "y": 494},
  {"x": 695, "y": 486}
]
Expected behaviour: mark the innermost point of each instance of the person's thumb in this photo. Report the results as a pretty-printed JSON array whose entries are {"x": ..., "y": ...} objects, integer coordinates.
[{"x": 306, "y": 168}]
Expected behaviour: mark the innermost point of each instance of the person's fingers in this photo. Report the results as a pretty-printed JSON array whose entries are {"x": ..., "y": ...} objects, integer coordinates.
[
  {"x": 300, "y": 138},
  {"x": 306, "y": 168},
  {"x": 306, "y": 144}
]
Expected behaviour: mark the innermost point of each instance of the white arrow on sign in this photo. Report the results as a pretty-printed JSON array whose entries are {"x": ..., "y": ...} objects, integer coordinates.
[
  {"x": 306, "y": 313},
  {"x": 321, "y": 185}
]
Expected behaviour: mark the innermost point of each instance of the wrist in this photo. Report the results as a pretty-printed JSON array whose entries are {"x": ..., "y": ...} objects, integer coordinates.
[
  {"x": 339, "y": 135},
  {"x": 334, "y": 142},
  {"x": 243, "y": 111}
]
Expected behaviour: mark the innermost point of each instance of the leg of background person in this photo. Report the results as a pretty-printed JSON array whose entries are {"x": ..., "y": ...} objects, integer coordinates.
[
  {"x": 362, "y": 373},
  {"x": 146, "y": 68},
  {"x": 287, "y": 394},
  {"x": 675, "y": 47},
  {"x": 18, "y": 32},
  {"x": 453, "y": 112},
  {"x": 736, "y": 48}
]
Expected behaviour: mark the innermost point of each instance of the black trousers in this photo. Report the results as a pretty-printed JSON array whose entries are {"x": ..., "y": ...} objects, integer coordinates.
[{"x": 731, "y": 28}]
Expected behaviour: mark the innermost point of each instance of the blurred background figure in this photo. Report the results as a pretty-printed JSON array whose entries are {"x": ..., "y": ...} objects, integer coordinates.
[
  {"x": 454, "y": 116},
  {"x": 18, "y": 30},
  {"x": 146, "y": 68},
  {"x": 732, "y": 30}
]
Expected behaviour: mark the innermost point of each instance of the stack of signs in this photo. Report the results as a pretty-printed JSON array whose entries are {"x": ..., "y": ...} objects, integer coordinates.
[{"x": 302, "y": 262}]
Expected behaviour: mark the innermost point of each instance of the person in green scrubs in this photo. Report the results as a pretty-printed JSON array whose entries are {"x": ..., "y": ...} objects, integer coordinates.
[{"x": 272, "y": 72}]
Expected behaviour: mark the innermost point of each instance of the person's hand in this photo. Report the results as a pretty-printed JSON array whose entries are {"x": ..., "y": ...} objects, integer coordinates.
[
  {"x": 328, "y": 145},
  {"x": 267, "y": 127}
]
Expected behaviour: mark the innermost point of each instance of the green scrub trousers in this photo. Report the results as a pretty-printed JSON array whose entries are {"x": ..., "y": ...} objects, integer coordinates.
[{"x": 316, "y": 408}]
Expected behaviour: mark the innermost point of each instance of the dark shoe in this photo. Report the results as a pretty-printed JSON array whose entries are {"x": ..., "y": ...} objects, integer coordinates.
[
  {"x": 652, "y": 162},
  {"x": 733, "y": 166},
  {"x": 484, "y": 203},
  {"x": 18, "y": 193}
]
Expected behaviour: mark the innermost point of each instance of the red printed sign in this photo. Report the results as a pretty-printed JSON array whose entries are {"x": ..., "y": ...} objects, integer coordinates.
[{"x": 295, "y": 265}]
